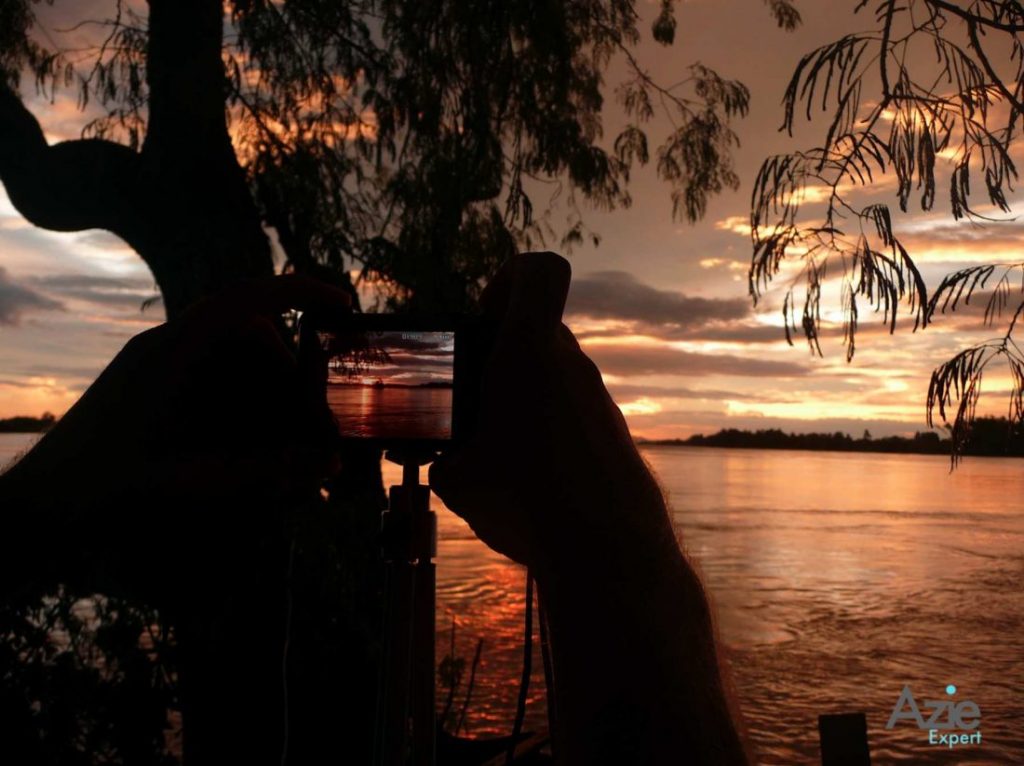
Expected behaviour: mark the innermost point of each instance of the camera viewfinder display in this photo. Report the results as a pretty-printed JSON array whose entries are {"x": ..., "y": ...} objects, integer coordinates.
[{"x": 390, "y": 384}]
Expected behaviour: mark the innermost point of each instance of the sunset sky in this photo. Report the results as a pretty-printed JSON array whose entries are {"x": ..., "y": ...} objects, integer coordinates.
[
  {"x": 413, "y": 358},
  {"x": 662, "y": 307}
]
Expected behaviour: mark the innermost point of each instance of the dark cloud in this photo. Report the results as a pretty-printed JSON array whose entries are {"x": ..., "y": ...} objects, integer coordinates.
[
  {"x": 77, "y": 373},
  {"x": 105, "y": 291},
  {"x": 16, "y": 300},
  {"x": 732, "y": 332},
  {"x": 618, "y": 295},
  {"x": 93, "y": 282},
  {"x": 629, "y": 360},
  {"x": 16, "y": 383},
  {"x": 425, "y": 342},
  {"x": 440, "y": 359},
  {"x": 630, "y": 391}
]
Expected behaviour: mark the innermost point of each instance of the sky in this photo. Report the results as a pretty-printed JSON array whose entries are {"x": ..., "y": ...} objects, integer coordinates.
[
  {"x": 409, "y": 358},
  {"x": 661, "y": 306}
]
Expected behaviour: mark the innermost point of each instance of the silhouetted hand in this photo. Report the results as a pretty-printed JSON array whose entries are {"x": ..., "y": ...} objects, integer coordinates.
[
  {"x": 552, "y": 471},
  {"x": 194, "y": 429},
  {"x": 220, "y": 405},
  {"x": 553, "y": 480}
]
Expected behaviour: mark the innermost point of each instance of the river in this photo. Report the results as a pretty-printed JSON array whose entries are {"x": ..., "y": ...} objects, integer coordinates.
[{"x": 837, "y": 578}]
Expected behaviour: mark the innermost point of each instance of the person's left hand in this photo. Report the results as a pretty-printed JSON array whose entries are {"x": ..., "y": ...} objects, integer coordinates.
[
  {"x": 213, "y": 405},
  {"x": 196, "y": 432}
]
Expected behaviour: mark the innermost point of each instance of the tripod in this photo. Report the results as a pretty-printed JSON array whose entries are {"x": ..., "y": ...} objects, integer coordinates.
[{"x": 406, "y": 728}]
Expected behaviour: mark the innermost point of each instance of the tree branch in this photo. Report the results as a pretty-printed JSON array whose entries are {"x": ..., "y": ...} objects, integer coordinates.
[
  {"x": 966, "y": 15},
  {"x": 70, "y": 186},
  {"x": 972, "y": 31},
  {"x": 883, "y": 57}
]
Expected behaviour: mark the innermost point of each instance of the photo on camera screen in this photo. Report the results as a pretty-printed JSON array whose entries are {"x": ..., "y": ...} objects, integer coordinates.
[{"x": 391, "y": 384}]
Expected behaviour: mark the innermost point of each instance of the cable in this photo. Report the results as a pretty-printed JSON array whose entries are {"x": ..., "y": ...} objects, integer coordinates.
[
  {"x": 524, "y": 682},
  {"x": 287, "y": 641},
  {"x": 549, "y": 673}
]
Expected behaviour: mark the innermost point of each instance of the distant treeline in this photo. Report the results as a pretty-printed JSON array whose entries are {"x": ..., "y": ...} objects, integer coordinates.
[
  {"x": 989, "y": 437},
  {"x": 27, "y": 425},
  {"x": 431, "y": 384}
]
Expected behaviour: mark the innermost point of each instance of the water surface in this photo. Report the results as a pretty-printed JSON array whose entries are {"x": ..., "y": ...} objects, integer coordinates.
[
  {"x": 836, "y": 578},
  {"x": 392, "y": 412}
]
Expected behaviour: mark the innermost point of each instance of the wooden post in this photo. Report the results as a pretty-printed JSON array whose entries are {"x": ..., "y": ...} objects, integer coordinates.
[{"x": 844, "y": 739}]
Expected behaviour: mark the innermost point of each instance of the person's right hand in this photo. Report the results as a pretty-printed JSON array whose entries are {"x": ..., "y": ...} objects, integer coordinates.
[{"x": 552, "y": 468}]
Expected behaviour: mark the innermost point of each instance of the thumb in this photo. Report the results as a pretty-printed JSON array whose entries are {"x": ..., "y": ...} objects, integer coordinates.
[
  {"x": 443, "y": 474},
  {"x": 459, "y": 479},
  {"x": 538, "y": 291}
]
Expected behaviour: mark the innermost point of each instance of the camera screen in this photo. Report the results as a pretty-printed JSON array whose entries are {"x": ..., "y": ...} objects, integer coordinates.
[{"x": 390, "y": 384}]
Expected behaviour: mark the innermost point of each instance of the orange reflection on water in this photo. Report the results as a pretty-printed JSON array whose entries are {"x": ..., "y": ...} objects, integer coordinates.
[
  {"x": 484, "y": 593},
  {"x": 836, "y": 579}
]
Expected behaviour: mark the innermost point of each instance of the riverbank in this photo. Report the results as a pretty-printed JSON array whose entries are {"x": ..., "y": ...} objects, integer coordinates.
[
  {"x": 989, "y": 437},
  {"x": 25, "y": 424}
]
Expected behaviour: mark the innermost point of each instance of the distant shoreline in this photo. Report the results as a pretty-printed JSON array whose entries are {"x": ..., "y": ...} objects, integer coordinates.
[
  {"x": 989, "y": 437},
  {"x": 784, "y": 448},
  {"x": 433, "y": 384},
  {"x": 24, "y": 424}
]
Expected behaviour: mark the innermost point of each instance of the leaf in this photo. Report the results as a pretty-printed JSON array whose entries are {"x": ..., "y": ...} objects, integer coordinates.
[
  {"x": 664, "y": 26},
  {"x": 785, "y": 13}
]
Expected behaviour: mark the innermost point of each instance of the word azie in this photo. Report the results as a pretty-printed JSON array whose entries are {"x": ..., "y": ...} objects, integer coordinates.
[{"x": 950, "y": 723}]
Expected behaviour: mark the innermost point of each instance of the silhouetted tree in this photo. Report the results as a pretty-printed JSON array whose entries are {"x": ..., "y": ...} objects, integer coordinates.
[
  {"x": 929, "y": 81},
  {"x": 398, "y": 137}
]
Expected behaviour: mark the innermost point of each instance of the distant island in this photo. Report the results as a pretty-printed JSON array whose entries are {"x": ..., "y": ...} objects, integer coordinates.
[
  {"x": 24, "y": 424},
  {"x": 990, "y": 437}
]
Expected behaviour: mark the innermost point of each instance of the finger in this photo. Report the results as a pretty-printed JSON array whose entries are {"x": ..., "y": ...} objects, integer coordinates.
[
  {"x": 441, "y": 475},
  {"x": 312, "y": 376},
  {"x": 253, "y": 339},
  {"x": 453, "y": 480},
  {"x": 270, "y": 297}
]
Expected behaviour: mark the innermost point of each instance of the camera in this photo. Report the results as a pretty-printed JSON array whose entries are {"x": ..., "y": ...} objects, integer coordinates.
[{"x": 398, "y": 381}]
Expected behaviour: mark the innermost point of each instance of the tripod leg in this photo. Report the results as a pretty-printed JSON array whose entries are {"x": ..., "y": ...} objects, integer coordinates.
[
  {"x": 424, "y": 705},
  {"x": 392, "y": 739}
]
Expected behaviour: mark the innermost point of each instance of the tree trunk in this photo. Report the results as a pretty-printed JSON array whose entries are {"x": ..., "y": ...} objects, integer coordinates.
[
  {"x": 203, "y": 229},
  {"x": 183, "y": 204}
]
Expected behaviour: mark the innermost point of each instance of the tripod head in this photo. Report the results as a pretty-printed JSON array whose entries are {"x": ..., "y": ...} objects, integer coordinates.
[{"x": 408, "y": 526}]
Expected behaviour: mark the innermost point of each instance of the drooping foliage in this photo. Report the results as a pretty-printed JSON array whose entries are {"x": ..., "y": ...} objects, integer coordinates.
[
  {"x": 420, "y": 143},
  {"x": 920, "y": 91}
]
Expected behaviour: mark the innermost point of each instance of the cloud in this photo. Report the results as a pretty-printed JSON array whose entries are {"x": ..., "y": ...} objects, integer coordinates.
[
  {"x": 628, "y": 360},
  {"x": 618, "y": 295},
  {"x": 744, "y": 333},
  {"x": 16, "y": 300},
  {"x": 124, "y": 292},
  {"x": 728, "y": 263},
  {"x": 628, "y": 391},
  {"x": 962, "y": 233}
]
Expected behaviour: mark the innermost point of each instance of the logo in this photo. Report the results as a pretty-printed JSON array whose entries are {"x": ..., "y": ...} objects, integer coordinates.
[{"x": 949, "y": 724}]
